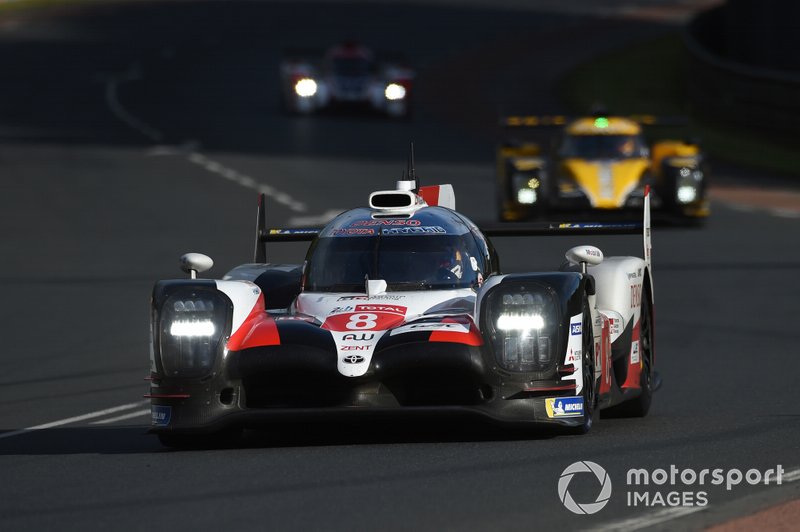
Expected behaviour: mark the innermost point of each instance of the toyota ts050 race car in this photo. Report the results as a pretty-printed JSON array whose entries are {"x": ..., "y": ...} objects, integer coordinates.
[
  {"x": 348, "y": 74},
  {"x": 599, "y": 163},
  {"x": 399, "y": 308}
]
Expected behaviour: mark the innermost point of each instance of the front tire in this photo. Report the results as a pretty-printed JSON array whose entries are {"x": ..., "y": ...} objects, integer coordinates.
[{"x": 590, "y": 383}]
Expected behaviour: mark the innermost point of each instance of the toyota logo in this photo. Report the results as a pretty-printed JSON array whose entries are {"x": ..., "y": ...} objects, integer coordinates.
[{"x": 353, "y": 359}]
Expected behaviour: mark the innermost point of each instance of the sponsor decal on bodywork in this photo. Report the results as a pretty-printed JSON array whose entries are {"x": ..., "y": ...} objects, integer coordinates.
[
  {"x": 574, "y": 350},
  {"x": 431, "y": 326},
  {"x": 390, "y": 222},
  {"x": 564, "y": 406},
  {"x": 419, "y": 230},
  {"x": 161, "y": 415}
]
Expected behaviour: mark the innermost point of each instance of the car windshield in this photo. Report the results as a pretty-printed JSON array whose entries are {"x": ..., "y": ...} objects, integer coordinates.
[
  {"x": 602, "y": 147},
  {"x": 405, "y": 262},
  {"x": 352, "y": 66}
]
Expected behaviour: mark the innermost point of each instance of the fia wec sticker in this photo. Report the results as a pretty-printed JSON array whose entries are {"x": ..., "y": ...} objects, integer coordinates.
[{"x": 635, "y": 352}]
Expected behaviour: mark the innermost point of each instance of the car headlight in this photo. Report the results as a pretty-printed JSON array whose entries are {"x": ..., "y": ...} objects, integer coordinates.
[
  {"x": 526, "y": 187},
  {"x": 394, "y": 91},
  {"x": 192, "y": 324},
  {"x": 305, "y": 87},
  {"x": 688, "y": 185},
  {"x": 523, "y": 323}
]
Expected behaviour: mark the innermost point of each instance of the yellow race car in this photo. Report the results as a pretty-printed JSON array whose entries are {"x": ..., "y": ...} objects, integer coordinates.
[{"x": 599, "y": 163}]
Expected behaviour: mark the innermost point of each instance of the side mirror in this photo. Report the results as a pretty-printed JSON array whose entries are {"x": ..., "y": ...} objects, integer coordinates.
[
  {"x": 584, "y": 255},
  {"x": 193, "y": 263}
]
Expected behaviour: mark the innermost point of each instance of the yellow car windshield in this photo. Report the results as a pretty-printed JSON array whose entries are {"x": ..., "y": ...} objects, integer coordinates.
[{"x": 602, "y": 147}]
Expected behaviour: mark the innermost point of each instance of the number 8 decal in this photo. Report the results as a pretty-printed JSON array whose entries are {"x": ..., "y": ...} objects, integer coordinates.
[{"x": 362, "y": 322}]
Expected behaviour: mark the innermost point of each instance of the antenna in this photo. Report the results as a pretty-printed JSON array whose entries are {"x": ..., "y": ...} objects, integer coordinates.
[{"x": 412, "y": 175}]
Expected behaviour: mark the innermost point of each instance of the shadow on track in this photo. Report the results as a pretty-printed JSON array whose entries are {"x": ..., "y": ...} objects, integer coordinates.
[{"x": 136, "y": 440}]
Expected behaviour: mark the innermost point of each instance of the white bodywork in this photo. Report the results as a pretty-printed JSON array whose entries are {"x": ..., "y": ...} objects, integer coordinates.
[{"x": 357, "y": 321}]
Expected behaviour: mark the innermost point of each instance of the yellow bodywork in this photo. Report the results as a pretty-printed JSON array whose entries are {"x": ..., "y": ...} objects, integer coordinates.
[
  {"x": 684, "y": 154},
  {"x": 606, "y": 183}
]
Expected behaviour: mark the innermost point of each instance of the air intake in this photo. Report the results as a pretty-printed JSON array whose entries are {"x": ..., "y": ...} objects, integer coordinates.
[{"x": 392, "y": 200}]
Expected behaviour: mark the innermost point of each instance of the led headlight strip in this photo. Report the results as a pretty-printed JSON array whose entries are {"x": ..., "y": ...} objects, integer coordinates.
[
  {"x": 192, "y": 323},
  {"x": 523, "y": 321}
]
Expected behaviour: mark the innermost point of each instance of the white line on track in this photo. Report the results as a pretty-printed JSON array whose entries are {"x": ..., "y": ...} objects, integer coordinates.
[
  {"x": 75, "y": 419},
  {"x": 791, "y": 476},
  {"x": 320, "y": 219},
  {"x": 112, "y": 100},
  {"x": 215, "y": 167},
  {"x": 668, "y": 514},
  {"x": 637, "y": 523},
  {"x": 138, "y": 413}
]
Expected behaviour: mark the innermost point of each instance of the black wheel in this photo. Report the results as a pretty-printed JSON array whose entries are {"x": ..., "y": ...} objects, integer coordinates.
[
  {"x": 639, "y": 406},
  {"x": 590, "y": 383}
]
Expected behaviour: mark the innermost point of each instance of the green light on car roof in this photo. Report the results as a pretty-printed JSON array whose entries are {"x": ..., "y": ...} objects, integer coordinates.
[{"x": 601, "y": 122}]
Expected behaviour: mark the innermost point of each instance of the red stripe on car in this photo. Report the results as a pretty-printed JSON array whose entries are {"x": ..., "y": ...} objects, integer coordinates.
[{"x": 258, "y": 329}]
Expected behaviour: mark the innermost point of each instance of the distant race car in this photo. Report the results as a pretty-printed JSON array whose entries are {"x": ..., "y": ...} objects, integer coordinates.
[
  {"x": 400, "y": 308},
  {"x": 600, "y": 163},
  {"x": 348, "y": 74}
]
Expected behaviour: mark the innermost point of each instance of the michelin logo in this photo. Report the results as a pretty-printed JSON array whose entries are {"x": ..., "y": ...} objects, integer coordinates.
[
  {"x": 576, "y": 328},
  {"x": 564, "y": 406}
]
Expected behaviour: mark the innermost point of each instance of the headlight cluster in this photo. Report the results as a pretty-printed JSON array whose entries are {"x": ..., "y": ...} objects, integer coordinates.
[
  {"x": 523, "y": 323},
  {"x": 526, "y": 187},
  {"x": 305, "y": 87},
  {"x": 688, "y": 184},
  {"x": 192, "y": 324},
  {"x": 394, "y": 91}
]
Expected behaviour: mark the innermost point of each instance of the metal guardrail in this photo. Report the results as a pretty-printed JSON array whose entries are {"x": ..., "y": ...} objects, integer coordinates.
[{"x": 730, "y": 92}]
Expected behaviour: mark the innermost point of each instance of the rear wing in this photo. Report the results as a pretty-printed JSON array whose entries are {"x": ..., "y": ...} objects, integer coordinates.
[
  {"x": 308, "y": 234},
  {"x": 589, "y": 228},
  {"x": 264, "y": 235}
]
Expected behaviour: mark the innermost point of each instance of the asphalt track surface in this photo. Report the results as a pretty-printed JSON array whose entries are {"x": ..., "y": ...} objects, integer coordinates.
[{"x": 131, "y": 135}]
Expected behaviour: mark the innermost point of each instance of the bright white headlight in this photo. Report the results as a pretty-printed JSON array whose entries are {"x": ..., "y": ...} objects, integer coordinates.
[
  {"x": 193, "y": 328},
  {"x": 305, "y": 88},
  {"x": 394, "y": 91},
  {"x": 526, "y": 196},
  {"x": 687, "y": 193},
  {"x": 518, "y": 322}
]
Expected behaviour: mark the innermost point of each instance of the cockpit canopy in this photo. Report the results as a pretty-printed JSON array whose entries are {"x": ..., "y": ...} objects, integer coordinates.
[
  {"x": 602, "y": 147},
  {"x": 431, "y": 248}
]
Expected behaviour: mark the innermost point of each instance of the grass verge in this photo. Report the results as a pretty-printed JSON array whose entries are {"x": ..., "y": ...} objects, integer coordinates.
[{"x": 649, "y": 77}]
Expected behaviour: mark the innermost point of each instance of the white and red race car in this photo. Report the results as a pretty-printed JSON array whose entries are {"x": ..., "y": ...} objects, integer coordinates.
[
  {"x": 348, "y": 75},
  {"x": 400, "y": 307}
]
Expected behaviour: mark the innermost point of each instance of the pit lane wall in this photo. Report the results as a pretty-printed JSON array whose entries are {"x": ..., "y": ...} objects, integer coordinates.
[{"x": 727, "y": 91}]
